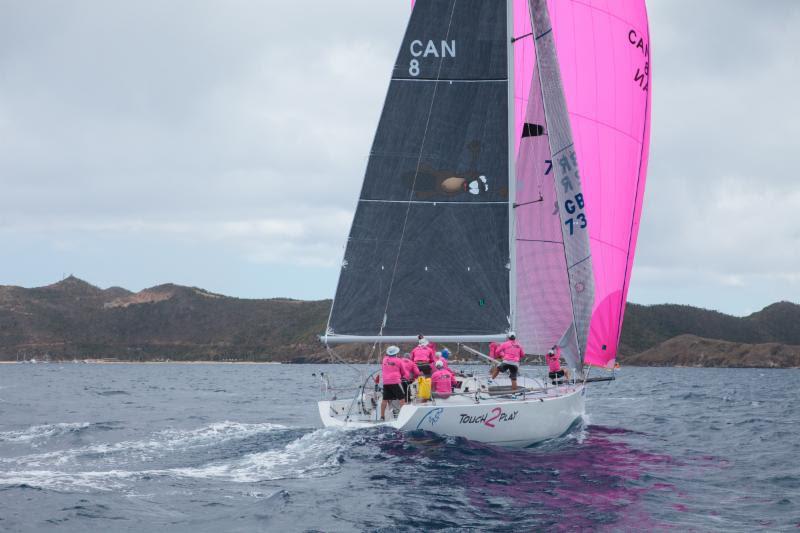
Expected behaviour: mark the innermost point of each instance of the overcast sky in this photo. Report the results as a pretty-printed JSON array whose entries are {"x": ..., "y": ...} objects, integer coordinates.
[{"x": 223, "y": 144}]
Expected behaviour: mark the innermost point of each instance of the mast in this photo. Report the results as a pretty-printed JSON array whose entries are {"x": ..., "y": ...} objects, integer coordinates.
[{"x": 512, "y": 171}]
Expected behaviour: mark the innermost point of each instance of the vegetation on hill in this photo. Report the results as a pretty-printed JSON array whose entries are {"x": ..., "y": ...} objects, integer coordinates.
[
  {"x": 649, "y": 326},
  {"x": 690, "y": 350},
  {"x": 74, "y": 319}
]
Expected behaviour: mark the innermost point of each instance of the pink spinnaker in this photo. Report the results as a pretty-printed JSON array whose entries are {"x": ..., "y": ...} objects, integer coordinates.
[{"x": 603, "y": 50}]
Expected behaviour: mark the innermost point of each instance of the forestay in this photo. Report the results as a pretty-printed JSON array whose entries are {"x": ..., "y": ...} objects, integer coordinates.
[{"x": 428, "y": 250}]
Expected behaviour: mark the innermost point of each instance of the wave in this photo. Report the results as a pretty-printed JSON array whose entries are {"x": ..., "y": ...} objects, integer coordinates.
[
  {"x": 315, "y": 454},
  {"x": 158, "y": 445},
  {"x": 34, "y": 434},
  {"x": 66, "y": 481}
]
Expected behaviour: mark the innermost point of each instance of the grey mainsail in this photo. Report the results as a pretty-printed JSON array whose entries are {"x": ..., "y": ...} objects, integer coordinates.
[
  {"x": 544, "y": 308},
  {"x": 571, "y": 202},
  {"x": 428, "y": 251}
]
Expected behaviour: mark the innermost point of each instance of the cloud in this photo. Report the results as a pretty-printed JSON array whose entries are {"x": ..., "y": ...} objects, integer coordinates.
[
  {"x": 290, "y": 237},
  {"x": 721, "y": 192},
  {"x": 242, "y": 127},
  {"x": 212, "y": 143}
]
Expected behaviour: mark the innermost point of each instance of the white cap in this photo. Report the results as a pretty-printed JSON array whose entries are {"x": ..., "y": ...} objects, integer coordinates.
[
  {"x": 423, "y": 341},
  {"x": 392, "y": 350},
  {"x": 439, "y": 364},
  {"x": 438, "y": 354},
  {"x": 551, "y": 352}
]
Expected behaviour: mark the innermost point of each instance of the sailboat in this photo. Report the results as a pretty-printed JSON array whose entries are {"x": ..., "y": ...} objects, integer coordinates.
[{"x": 502, "y": 194}]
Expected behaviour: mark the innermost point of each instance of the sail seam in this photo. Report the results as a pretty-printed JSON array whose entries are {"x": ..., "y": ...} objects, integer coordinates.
[
  {"x": 492, "y": 80},
  {"x": 579, "y": 262},
  {"x": 539, "y": 240},
  {"x": 609, "y": 126},
  {"x": 606, "y": 243},
  {"x": 437, "y": 202},
  {"x": 570, "y": 145}
]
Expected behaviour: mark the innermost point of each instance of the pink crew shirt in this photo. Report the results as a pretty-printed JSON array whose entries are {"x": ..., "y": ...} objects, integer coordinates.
[
  {"x": 553, "y": 363},
  {"x": 423, "y": 354},
  {"x": 493, "y": 350},
  {"x": 510, "y": 351},
  {"x": 442, "y": 382},
  {"x": 412, "y": 372},
  {"x": 392, "y": 370}
]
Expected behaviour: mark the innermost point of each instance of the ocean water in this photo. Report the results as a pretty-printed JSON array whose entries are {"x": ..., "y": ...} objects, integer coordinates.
[{"x": 240, "y": 448}]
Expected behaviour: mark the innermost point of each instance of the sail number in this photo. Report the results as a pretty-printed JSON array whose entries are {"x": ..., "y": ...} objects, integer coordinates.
[
  {"x": 423, "y": 49},
  {"x": 642, "y": 75},
  {"x": 570, "y": 181},
  {"x": 571, "y": 206}
]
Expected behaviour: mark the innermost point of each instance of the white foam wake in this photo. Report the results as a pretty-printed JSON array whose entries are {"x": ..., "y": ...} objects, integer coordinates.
[
  {"x": 35, "y": 434},
  {"x": 157, "y": 445},
  {"x": 312, "y": 455}
]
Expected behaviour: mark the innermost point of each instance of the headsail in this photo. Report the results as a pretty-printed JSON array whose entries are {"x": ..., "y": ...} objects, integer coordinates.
[
  {"x": 429, "y": 247},
  {"x": 544, "y": 309},
  {"x": 606, "y": 79},
  {"x": 605, "y": 74},
  {"x": 569, "y": 194}
]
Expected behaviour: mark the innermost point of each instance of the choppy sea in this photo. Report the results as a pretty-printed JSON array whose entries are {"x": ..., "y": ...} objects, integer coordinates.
[{"x": 195, "y": 447}]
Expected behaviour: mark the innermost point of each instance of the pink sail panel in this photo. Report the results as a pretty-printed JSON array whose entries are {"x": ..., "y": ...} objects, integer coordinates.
[
  {"x": 544, "y": 310},
  {"x": 524, "y": 63},
  {"x": 604, "y": 53}
]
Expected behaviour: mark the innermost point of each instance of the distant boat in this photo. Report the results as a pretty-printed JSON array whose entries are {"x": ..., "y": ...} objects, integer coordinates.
[{"x": 502, "y": 194}]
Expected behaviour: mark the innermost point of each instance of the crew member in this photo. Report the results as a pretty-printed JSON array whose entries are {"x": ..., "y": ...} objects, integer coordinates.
[
  {"x": 493, "y": 350},
  {"x": 553, "y": 357},
  {"x": 440, "y": 357},
  {"x": 496, "y": 359},
  {"x": 511, "y": 353},
  {"x": 412, "y": 373},
  {"x": 442, "y": 381},
  {"x": 423, "y": 356},
  {"x": 392, "y": 374}
]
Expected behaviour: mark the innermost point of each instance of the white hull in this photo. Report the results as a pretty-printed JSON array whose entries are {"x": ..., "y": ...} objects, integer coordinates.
[{"x": 539, "y": 416}]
